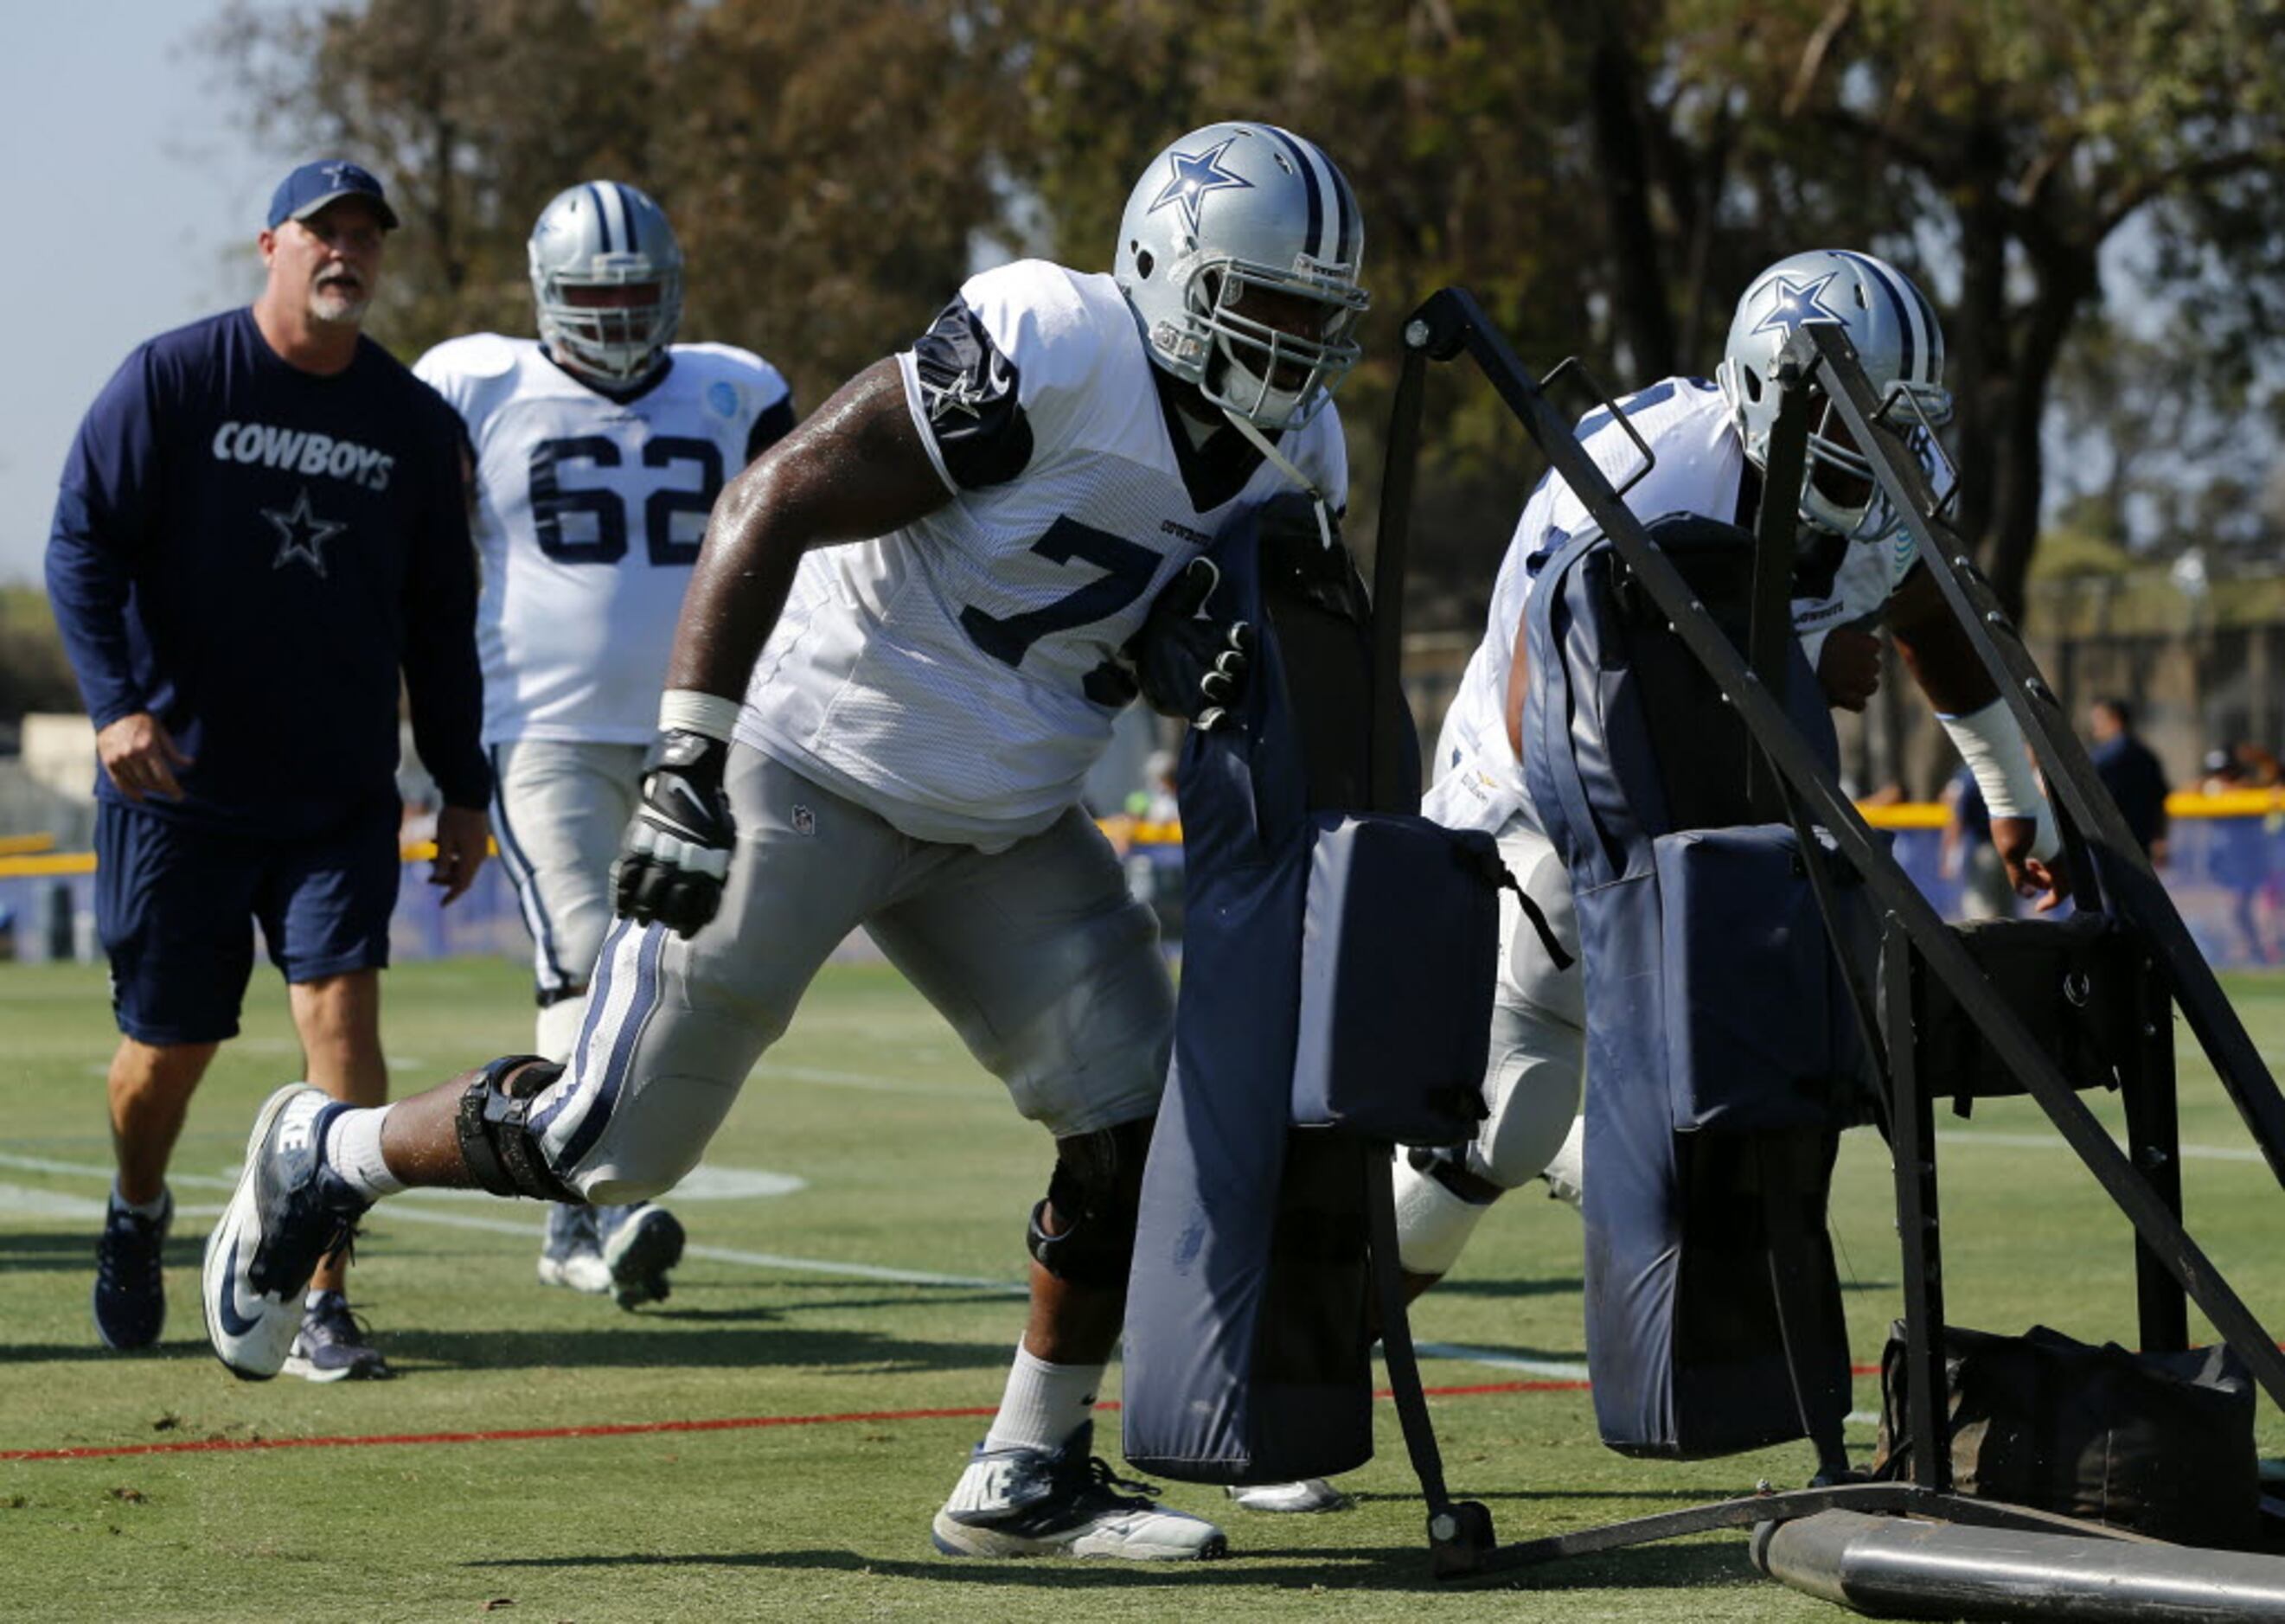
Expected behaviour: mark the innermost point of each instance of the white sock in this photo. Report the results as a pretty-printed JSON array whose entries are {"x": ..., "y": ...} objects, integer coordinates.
[
  {"x": 353, "y": 1148},
  {"x": 148, "y": 1210},
  {"x": 1044, "y": 1404}
]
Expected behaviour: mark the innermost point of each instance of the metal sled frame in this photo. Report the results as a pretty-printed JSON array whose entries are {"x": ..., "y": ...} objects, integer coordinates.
[{"x": 2144, "y": 1181}]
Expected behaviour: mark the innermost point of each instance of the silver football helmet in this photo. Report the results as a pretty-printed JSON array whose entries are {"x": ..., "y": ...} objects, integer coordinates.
[
  {"x": 595, "y": 237},
  {"x": 1226, "y": 212},
  {"x": 1894, "y": 328}
]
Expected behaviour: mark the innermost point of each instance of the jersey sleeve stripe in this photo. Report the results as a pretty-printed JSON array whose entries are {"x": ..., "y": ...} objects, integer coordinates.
[{"x": 909, "y": 369}]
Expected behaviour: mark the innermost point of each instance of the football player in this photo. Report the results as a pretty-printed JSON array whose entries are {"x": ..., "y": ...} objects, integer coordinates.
[
  {"x": 909, "y": 632},
  {"x": 1858, "y": 567},
  {"x": 595, "y": 453}
]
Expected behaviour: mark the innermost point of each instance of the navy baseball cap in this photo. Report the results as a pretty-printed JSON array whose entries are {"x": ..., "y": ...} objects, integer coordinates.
[{"x": 313, "y": 185}]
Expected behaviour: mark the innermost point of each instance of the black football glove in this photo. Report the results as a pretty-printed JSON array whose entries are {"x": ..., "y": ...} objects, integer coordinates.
[
  {"x": 1188, "y": 662},
  {"x": 676, "y": 854}
]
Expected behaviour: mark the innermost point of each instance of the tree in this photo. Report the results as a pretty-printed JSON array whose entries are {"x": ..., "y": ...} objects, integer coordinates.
[
  {"x": 1605, "y": 176},
  {"x": 824, "y": 164},
  {"x": 2022, "y": 136}
]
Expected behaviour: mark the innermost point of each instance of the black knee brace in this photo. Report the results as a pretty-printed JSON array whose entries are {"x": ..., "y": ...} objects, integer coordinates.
[
  {"x": 1096, "y": 1192},
  {"x": 495, "y": 1143}
]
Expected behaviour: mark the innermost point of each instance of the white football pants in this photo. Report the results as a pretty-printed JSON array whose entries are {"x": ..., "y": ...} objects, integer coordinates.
[
  {"x": 1043, "y": 963},
  {"x": 559, "y": 810},
  {"x": 1536, "y": 1066}
]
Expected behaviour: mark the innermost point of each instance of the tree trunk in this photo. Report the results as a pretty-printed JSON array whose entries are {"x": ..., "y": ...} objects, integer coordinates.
[
  {"x": 2066, "y": 279},
  {"x": 1645, "y": 326}
]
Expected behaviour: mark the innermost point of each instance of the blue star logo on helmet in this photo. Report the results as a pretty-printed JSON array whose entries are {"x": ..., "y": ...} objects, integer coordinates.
[
  {"x": 1797, "y": 303},
  {"x": 1194, "y": 176}
]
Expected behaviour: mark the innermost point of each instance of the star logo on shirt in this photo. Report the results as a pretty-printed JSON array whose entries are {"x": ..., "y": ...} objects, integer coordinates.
[
  {"x": 1797, "y": 303},
  {"x": 1195, "y": 174},
  {"x": 959, "y": 394},
  {"x": 964, "y": 393},
  {"x": 300, "y": 533}
]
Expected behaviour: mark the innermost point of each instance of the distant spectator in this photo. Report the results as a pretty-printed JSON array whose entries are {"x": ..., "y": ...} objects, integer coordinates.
[
  {"x": 2130, "y": 771},
  {"x": 2219, "y": 773},
  {"x": 2258, "y": 768},
  {"x": 1967, "y": 854}
]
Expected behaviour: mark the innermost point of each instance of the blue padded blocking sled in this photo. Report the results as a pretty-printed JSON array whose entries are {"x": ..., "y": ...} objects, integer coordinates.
[
  {"x": 1722, "y": 1056},
  {"x": 1311, "y": 930}
]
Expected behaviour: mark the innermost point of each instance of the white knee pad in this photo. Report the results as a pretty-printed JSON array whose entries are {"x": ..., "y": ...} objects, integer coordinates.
[
  {"x": 1567, "y": 1172},
  {"x": 557, "y": 1029},
  {"x": 1433, "y": 1224}
]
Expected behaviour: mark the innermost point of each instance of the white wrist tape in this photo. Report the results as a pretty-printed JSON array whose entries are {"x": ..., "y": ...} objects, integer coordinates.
[
  {"x": 693, "y": 711},
  {"x": 1990, "y": 741}
]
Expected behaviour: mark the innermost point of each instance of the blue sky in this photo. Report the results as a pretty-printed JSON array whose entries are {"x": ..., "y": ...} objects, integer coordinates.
[{"x": 136, "y": 196}]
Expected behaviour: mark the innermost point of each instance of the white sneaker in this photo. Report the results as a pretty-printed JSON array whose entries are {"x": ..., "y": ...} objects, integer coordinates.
[
  {"x": 290, "y": 1208},
  {"x": 572, "y": 1256},
  {"x": 1030, "y": 1502},
  {"x": 1307, "y": 1494}
]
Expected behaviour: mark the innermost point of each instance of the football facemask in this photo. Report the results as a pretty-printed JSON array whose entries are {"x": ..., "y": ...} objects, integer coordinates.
[
  {"x": 607, "y": 277},
  {"x": 1238, "y": 253},
  {"x": 1893, "y": 329}
]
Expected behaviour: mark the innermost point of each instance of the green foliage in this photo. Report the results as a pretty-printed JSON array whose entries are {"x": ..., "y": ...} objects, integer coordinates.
[
  {"x": 824, "y": 166},
  {"x": 33, "y": 673},
  {"x": 1604, "y": 178}
]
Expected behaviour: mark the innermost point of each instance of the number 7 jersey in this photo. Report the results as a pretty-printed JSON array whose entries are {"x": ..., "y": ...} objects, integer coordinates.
[
  {"x": 959, "y": 676},
  {"x": 587, "y": 518}
]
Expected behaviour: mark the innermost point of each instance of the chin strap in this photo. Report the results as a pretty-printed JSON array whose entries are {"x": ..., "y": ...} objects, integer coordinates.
[{"x": 1278, "y": 460}]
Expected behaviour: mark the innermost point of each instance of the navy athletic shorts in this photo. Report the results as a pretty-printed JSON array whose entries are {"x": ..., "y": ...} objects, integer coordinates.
[{"x": 175, "y": 903}]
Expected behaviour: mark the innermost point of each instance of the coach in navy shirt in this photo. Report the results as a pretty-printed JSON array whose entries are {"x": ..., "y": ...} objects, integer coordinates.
[
  {"x": 260, "y": 526},
  {"x": 2129, "y": 770}
]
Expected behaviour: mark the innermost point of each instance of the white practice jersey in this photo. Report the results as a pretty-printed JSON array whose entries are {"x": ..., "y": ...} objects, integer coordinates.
[
  {"x": 959, "y": 676},
  {"x": 588, "y": 516},
  {"x": 1701, "y": 463}
]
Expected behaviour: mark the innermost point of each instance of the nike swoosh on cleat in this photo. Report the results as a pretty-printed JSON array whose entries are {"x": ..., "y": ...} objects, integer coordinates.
[{"x": 227, "y": 1309}]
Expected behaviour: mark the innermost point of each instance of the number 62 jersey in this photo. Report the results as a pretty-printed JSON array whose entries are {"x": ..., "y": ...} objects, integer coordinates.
[
  {"x": 589, "y": 510},
  {"x": 959, "y": 676}
]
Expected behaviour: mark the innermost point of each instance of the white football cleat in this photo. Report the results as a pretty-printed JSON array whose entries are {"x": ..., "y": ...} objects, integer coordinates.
[
  {"x": 571, "y": 1256},
  {"x": 640, "y": 1243},
  {"x": 1032, "y": 1502},
  {"x": 290, "y": 1210},
  {"x": 1307, "y": 1495}
]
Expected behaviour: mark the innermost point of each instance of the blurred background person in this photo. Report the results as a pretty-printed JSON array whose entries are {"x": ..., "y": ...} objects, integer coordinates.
[{"x": 2129, "y": 770}]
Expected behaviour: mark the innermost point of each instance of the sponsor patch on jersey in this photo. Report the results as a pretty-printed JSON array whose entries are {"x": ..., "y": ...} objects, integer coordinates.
[
  {"x": 803, "y": 821},
  {"x": 722, "y": 398}
]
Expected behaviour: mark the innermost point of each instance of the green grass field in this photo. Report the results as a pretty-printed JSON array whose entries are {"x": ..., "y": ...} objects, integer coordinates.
[{"x": 878, "y": 1288}]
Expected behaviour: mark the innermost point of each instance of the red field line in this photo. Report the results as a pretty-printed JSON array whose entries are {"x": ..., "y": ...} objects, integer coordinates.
[{"x": 637, "y": 1429}]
